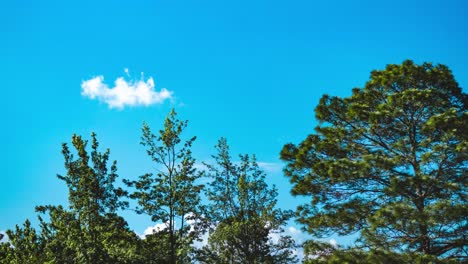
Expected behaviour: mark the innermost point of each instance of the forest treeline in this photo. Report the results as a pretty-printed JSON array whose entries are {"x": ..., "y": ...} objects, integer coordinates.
[{"x": 387, "y": 164}]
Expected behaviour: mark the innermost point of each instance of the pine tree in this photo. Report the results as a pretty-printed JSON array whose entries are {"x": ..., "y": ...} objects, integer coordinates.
[{"x": 390, "y": 162}]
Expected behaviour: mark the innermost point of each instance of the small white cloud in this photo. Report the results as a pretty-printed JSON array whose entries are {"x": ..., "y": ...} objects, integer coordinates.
[
  {"x": 200, "y": 166},
  {"x": 274, "y": 237},
  {"x": 296, "y": 234},
  {"x": 270, "y": 166},
  {"x": 189, "y": 219},
  {"x": 203, "y": 241},
  {"x": 162, "y": 226},
  {"x": 5, "y": 237},
  {"x": 333, "y": 242},
  {"x": 294, "y": 231},
  {"x": 299, "y": 253},
  {"x": 153, "y": 229},
  {"x": 125, "y": 93}
]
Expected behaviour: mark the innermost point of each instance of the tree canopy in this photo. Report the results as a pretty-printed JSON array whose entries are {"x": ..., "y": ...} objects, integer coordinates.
[
  {"x": 89, "y": 231},
  {"x": 243, "y": 214},
  {"x": 390, "y": 163},
  {"x": 171, "y": 195},
  {"x": 387, "y": 164}
]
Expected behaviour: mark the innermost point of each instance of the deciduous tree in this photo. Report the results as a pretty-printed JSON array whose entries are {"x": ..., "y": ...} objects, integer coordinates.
[
  {"x": 89, "y": 231},
  {"x": 25, "y": 246},
  {"x": 172, "y": 194},
  {"x": 243, "y": 214}
]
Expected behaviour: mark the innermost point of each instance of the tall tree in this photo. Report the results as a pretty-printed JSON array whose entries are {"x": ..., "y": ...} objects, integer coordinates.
[
  {"x": 90, "y": 231},
  {"x": 172, "y": 194},
  {"x": 243, "y": 214},
  {"x": 389, "y": 162}
]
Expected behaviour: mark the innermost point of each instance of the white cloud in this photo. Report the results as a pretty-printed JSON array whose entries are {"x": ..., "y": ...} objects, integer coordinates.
[
  {"x": 162, "y": 226},
  {"x": 156, "y": 228},
  {"x": 125, "y": 93},
  {"x": 270, "y": 166},
  {"x": 291, "y": 231},
  {"x": 294, "y": 230},
  {"x": 299, "y": 252},
  {"x": 200, "y": 166},
  {"x": 296, "y": 234},
  {"x": 203, "y": 241},
  {"x": 5, "y": 237},
  {"x": 333, "y": 242}
]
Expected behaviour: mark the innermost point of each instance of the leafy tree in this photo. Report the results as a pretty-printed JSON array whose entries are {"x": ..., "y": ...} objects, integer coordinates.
[
  {"x": 25, "y": 246},
  {"x": 60, "y": 233},
  {"x": 4, "y": 250},
  {"x": 4, "y": 246},
  {"x": 157, "y": 247},
  {"x": 172, "y": 195},
  {"x": 90, "y": 231},
  {"x": 390, "y": 162},
  {"x": 243, "y": 214}
]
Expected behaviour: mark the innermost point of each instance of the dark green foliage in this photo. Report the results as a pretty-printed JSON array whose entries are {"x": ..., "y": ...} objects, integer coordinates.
[
  {"x": 25, "y": 246},
  {"x": 390, "y": 162},
  {"x": 91, "y": 186},
  {"x": 243, "y": 214},
  {"x": 324, "y": 253},
  {"x": 172, "y": 195},
  {"x": 156, "y": 247},
  {"x": 90, "y": 231}
]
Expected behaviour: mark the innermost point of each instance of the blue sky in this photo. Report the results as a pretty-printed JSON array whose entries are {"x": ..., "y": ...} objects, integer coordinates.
[{"x": 251, "y": 71}]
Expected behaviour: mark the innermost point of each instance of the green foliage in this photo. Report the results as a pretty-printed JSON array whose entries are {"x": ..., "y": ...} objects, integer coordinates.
[
  {"x": 243, "y": 214},
  {"x": 90, "y": 231},
  {"x": 91, "y": 187},
  {"x": 390, "y": 162},
  {"x": 172, "y": 195},
  {"x": 25, "y": 246},
  {"x": 324, "y": 253}
]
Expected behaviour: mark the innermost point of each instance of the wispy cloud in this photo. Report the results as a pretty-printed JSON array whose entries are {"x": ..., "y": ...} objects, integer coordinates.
[
  {"x": 124, "y": 93},
  {"x": 296, "y": 234},
  {"x": 271, "y": 167}
]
